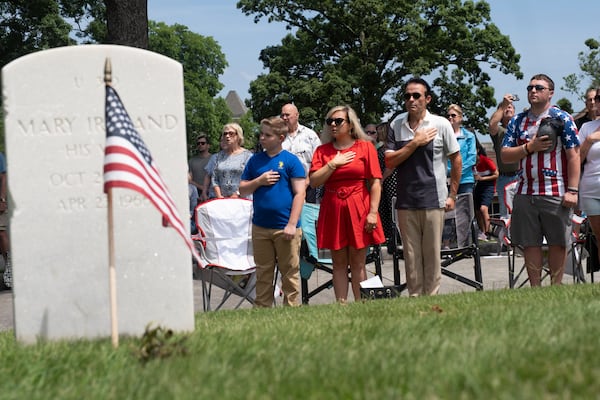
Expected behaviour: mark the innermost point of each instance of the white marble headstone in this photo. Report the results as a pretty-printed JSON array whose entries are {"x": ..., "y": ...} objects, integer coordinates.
[{"x": 55, "y": 134}]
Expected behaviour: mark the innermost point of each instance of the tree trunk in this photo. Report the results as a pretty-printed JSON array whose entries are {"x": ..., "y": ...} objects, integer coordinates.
[{"x": 127, "y": 22}]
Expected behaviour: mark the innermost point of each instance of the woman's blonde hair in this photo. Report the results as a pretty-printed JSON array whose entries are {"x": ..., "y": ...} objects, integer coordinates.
[
  {"x": 238, "y": 130},
  {"x": 356, "y": 131},
  {"x": 455, "y": 107}
]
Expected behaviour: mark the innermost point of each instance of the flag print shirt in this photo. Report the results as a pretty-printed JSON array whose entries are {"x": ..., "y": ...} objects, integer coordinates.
[{"x": 542, "y": 173}]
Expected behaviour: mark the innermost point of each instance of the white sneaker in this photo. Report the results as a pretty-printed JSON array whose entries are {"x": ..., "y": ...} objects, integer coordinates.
[{"x": 482, "y": 236}]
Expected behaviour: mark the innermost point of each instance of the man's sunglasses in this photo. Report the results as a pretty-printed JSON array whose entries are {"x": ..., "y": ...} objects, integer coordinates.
[
  {"x": 538, "y": 88},
  {"x": 415, "y": 96}
]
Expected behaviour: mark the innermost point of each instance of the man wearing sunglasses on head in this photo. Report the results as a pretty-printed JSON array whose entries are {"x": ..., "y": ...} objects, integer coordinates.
[
  {"x": 418, "y": 146},
  {"x": 543, "y": 140}
]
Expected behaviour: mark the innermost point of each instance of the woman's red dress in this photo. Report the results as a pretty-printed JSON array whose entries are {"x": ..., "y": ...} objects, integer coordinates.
[{"x": 346, "y": 200}]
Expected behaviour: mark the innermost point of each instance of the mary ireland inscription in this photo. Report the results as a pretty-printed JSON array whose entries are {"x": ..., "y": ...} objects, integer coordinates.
[{"x": 55, "y": 133}]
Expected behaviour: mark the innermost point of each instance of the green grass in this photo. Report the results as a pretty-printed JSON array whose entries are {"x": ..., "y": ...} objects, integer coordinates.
[{"x": 506, "y": 344}]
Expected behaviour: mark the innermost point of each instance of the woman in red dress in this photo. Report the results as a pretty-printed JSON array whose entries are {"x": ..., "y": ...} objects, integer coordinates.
[{"x": 346, "y": 163}]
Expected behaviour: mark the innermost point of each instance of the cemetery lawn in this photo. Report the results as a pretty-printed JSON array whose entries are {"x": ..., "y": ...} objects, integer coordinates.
[{"x": 504, "y": 344}]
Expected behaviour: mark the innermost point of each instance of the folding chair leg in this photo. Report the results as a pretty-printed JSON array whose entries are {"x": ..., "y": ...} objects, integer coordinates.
[{"x": 577, "y": 256}]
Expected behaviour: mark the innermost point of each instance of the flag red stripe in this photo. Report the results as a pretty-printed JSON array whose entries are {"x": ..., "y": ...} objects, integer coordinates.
[
  {"x": 122, "y": 146},
  {"x": 122, "y": 175},
  {"x": 118, "y": 159},
  {"x": 128, "y": 164}
]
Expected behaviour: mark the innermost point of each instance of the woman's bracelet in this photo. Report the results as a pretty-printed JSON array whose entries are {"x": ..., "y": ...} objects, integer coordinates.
[
  {"x": 331, "y": 166},
  {"x": 572, "y": 190}
]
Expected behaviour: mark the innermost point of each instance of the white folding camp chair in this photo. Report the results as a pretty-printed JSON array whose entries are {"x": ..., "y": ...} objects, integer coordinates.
[{"x": 224, "y": 242}]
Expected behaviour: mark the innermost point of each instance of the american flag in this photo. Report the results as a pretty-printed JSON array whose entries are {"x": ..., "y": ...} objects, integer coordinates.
[{"x": 129, "y": 164}]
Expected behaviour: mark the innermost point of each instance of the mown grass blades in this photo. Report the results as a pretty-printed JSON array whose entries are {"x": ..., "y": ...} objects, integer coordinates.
[{"x": 502, "y": 344}]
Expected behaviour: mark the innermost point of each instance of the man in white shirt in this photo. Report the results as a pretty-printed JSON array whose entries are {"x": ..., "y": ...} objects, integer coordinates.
[
  {"x": 419, "y": 145},
  {"x": 301, "y": 141}
]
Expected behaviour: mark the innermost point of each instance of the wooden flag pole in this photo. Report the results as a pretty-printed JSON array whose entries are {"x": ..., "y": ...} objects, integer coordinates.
[{"x": 111, "y": 242}]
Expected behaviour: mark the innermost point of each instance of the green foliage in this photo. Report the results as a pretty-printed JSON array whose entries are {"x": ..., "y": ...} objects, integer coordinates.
[
  {"x": 32, "y": 25},
  {"x": 504, "y": 344},
  {"x": 251, "y": 130},
  {"x": 203, "y": 63},
  {"x": 360, "y": 52},
  {"x": 89, "y": 19},
  {"x": 589, "y": 63},
  {"x": 565, "y": 105},
  {"x": 571, "y": 84}
]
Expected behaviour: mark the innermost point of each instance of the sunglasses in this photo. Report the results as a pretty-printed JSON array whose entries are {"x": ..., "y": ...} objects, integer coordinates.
[
  {"x": 538, "y": 88},
  {"x": 229, "y": 133},
  {"x": 371, "y": 132},
  {"x": 452, "y": 115},
  {"x": 597, "y": 98},
  {"x": 201, "y": 143},
  {"x": 415, "y": 96},
  {"x": 338, "y": 121}
]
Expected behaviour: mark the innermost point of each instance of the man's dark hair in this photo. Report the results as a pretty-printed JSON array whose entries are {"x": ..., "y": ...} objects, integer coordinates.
[
  {"x": 543, "y": 77},
  {"x": 420, "y": 81}
]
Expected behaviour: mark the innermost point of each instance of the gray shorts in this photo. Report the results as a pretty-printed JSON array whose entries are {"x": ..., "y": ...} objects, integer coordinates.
[{"x": 535, "y": 218}]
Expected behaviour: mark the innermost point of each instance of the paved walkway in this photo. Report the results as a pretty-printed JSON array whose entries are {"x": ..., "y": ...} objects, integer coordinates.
[{"x": 494, "y": 272}]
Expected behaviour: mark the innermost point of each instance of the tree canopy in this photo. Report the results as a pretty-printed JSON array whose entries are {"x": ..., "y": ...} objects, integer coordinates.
[
  {"x": 589, "y": 63},
  {"x": 360, "y": 52},
  {"x": 203, "y": 63},
  {"x": 32, "y": 25}
]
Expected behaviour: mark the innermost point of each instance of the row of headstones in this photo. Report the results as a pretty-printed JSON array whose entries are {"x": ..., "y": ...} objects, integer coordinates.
[{"x": 55, "y": 135}]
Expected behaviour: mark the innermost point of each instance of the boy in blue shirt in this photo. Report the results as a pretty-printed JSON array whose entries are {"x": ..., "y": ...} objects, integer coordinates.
[{"x": 277, "y": 180}]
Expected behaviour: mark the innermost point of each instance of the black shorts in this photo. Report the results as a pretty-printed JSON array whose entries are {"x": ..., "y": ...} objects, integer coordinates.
[{"x": 483, "y": 194}]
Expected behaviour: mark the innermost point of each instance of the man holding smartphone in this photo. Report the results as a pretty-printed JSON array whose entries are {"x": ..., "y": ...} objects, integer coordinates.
[{"x": 497, "y": 128}]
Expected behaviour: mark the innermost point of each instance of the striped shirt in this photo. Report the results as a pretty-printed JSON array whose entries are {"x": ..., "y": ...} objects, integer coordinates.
[{"x": 542, "y": 173}]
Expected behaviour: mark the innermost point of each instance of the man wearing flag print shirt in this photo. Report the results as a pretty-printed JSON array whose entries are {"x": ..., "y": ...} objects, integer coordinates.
[{"x": 548, "y": 181}]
